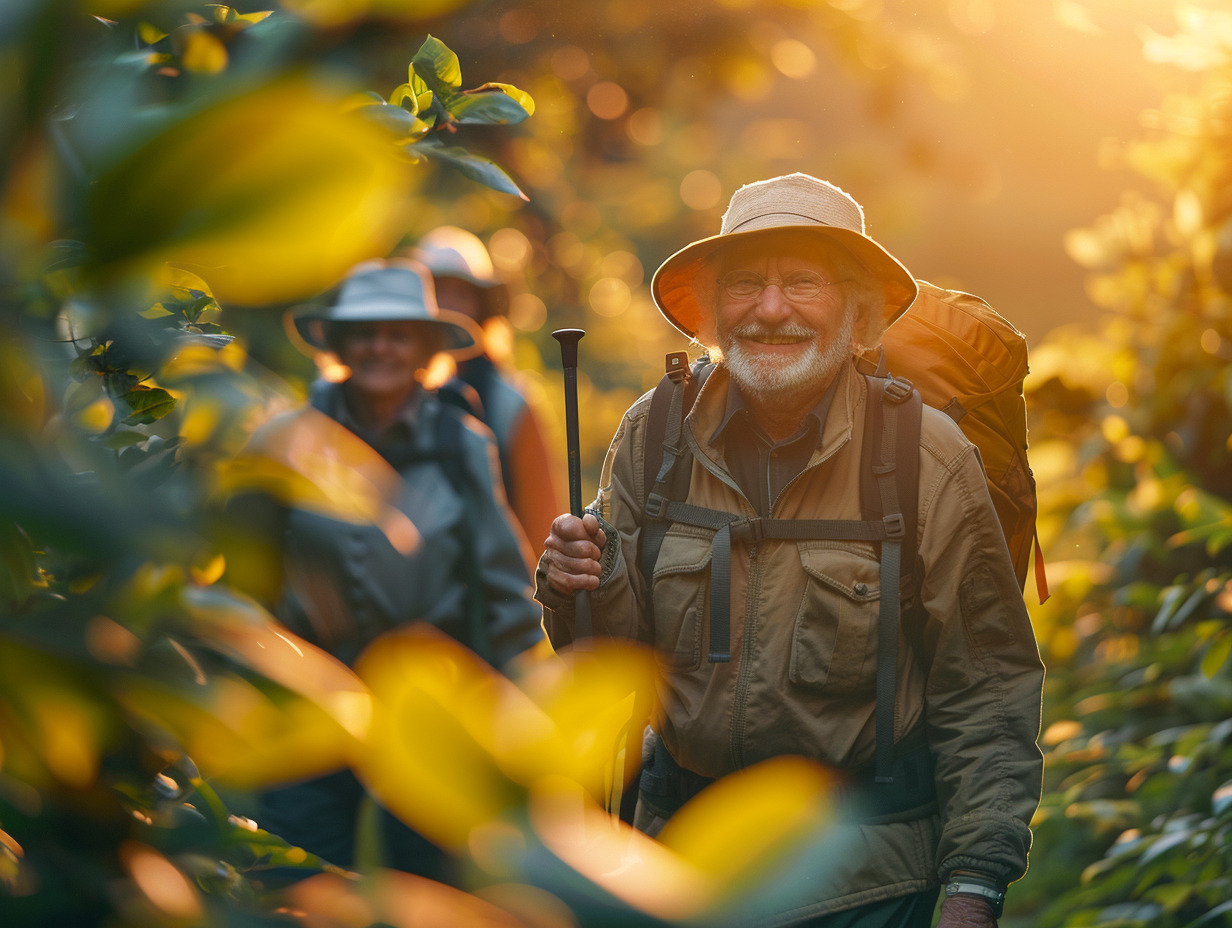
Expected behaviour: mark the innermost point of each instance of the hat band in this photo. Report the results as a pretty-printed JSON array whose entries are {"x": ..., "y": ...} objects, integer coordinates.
[{"x": 809, "y": 219}]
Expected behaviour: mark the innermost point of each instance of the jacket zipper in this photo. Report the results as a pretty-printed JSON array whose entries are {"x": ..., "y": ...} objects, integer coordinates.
[{"x": 747, "y": 661}]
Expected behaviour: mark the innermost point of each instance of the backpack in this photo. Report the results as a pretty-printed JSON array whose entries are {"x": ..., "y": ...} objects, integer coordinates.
[{"x": 971, "y": 364}]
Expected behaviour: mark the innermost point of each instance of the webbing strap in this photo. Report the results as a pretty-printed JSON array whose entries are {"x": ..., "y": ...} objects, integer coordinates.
[
  {"x": 728, "y": 526},
  {"x": 889, "y": 395},
  {"x": 654, "y": 530}
]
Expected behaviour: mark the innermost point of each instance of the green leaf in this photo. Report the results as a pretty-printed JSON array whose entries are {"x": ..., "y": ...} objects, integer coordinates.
[
  {"x": 124, "y": 438},
  {"x": 1221, "y": 799},
  {"x": 149, "y": 404},
  {"x": 437, "y": 66},
  {"x": 475, "y": 167},
  {"x": 404, "y": 94},
  {"x": 488, "y": 107},
  {"x": 1214, "y": 915},
  {"x": 402, "y": 123},
  {"x": 1217, "y": 655}
]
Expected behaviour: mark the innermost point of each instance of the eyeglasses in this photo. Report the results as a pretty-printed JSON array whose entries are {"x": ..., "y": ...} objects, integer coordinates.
[{"x": 799, "y": 285}]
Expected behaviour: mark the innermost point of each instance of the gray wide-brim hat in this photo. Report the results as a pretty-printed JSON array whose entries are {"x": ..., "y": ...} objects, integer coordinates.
[
  {"x": 396, "y": 289},
  {"x": 803, "y": 206}
]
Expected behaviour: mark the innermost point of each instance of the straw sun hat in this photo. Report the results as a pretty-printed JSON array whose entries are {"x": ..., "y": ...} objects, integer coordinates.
[
  {"x": 804, "y": 206},
  {"x": 396, "y": 289},
  {"x": 452, "y": 252}
]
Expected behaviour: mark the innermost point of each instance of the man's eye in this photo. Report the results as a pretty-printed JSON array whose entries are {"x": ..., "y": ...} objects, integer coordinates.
[
  {"x": 744, "y": 283},
  {"x": 804, "y": 284}
]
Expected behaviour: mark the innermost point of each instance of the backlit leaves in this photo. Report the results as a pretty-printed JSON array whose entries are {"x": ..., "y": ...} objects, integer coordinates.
[
  {"x": 1140, "y": 680},
  {"x": 263, "y": 208}
]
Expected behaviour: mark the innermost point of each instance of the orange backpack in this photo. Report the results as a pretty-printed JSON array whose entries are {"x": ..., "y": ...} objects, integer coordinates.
[{"x": 970, "y": 362}]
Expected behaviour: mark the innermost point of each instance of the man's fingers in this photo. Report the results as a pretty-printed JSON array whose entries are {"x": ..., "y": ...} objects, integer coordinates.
[
  {"x": 573, "y": 549},
  {"x": 571, "y": 583}
]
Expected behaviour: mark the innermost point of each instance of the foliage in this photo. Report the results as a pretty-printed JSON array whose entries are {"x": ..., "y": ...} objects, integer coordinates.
[
  {"x": 156, "y": 165},
  {"x": 1136, "y": 471}
]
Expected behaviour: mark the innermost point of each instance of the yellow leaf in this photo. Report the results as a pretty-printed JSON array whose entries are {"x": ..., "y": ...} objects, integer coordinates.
[
  {"x": 150, "y": 34},
  {"x": 599, "y": 702},
  {"x": 732, "y": 828},
  {"x": 239, "y": 735},
  {"x": 269, "y": 196},
  {"x": 390, "y": 897},
  {"x": 638, "y": 870},
  {"x": 239, "y": 627},
  {"x": 429, "y": 757},
  {"x": 203, "y": 53},
  {"x": 306, "y": 459},
  {"x": 97, "y": 416}
]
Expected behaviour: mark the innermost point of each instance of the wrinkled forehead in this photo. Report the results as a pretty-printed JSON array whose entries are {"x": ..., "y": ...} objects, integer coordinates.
[{"x": 774, "y": 253}]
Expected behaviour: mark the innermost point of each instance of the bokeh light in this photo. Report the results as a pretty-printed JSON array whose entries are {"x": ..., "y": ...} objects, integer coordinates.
[{"x": 607, "y": 100}]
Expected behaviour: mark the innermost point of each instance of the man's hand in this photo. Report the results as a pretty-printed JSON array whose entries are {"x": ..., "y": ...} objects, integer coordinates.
[
  {"x": 573, "y": 549},
  {"x": 966, "y": 912}
]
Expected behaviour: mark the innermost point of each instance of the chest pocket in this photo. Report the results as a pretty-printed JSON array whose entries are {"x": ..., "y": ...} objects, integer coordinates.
[
  {"x": 681, "y": 591},
  {"x": 834, "y": 642}
]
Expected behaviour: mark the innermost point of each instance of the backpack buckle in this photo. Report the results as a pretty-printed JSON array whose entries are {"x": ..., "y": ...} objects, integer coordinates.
[
  {"x": 656, "y": 506},
  {"x": 677, "y": 364},
  {"x": 749, "y": 530},
  {"x": 895, "y": 526},
  {"x": 898, "y": 389}
]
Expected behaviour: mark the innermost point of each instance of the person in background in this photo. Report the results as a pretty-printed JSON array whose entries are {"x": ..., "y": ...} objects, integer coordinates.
[
  {"x": 785, "y": 297},
  {"x": 467, "y": 283},
  {"x": 459, "y": 564}
]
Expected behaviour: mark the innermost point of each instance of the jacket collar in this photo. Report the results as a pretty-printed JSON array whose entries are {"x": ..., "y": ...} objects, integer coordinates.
[{"x": 330, "y": 398}]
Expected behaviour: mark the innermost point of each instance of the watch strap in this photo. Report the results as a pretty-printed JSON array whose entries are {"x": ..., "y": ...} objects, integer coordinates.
[{"x": 994, "y": 897}]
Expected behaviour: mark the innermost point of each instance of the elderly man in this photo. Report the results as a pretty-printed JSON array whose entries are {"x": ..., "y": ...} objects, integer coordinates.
[{"x": 784, "y": 657}]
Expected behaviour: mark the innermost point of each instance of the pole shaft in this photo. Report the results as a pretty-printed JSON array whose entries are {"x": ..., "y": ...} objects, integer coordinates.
[{"x": 569, "y": 338}]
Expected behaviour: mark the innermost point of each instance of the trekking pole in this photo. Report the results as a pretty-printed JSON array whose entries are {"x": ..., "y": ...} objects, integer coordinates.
[{"x": 569, "y": 338}]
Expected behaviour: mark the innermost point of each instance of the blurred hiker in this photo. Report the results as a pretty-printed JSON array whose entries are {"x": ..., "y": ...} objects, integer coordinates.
[
  {"x": 818, "y": 564},
  {"x": 447, "y": 554},
  {"x": 467, "y": 283}
]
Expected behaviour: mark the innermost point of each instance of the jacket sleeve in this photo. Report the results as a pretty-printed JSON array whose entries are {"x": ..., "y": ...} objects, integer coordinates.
[
  {"x": 985, "y": 679},
  {"x": 617, "y": 605},
  {"x": 514, "y": 618}
]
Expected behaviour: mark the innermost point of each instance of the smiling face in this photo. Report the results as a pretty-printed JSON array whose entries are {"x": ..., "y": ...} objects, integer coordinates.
[
  {"x": 385, "y": 357},
  {"x": 792, "y": 336}
]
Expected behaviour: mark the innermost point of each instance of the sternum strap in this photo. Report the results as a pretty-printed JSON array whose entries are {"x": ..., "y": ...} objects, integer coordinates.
[{"x": 752, "y": 530}]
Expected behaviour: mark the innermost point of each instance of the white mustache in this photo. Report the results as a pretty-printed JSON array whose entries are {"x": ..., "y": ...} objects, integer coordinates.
[{"x": 785, "y": 334}]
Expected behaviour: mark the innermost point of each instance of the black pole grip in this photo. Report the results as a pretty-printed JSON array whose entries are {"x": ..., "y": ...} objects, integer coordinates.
[{"x": 569, "y": 338}]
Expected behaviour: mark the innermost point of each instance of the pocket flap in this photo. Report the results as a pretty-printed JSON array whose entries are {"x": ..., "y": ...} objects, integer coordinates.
[
  {"x": 854, "y": 575},
  {"x": 683, "y": 552}
]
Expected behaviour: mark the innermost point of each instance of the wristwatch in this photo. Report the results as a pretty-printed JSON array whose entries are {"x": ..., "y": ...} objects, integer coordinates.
[{"x": 994, "y": 897}]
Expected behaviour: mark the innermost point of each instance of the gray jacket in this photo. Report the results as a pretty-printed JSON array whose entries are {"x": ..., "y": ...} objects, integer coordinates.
[{"x": 347, "y": 583}]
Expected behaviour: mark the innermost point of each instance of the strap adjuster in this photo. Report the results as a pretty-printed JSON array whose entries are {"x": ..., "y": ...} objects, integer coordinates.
[
  {"x": 898, "y": 389},
  {"x": 656, "y": 505},
  {"x": 677, "y": 364},
  {"x": 895, "y": 526}
]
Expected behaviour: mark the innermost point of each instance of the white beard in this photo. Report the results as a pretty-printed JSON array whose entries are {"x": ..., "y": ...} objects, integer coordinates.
[{"x": 765, "y": 376}]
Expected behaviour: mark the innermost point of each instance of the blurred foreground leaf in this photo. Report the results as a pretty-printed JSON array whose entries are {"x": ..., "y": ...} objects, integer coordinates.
[{"x": 269, "y": 195}]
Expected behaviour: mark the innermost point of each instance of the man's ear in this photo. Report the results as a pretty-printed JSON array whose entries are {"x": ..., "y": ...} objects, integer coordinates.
[{"x": 870, "y": 317}]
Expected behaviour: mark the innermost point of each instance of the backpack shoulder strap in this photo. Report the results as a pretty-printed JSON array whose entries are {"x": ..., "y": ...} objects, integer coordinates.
[
  {"x": 666, "y": 461},
  {"x": 451, "y": 458},
  {"x": 659, "y": 422},
  {"x": 890, "y": 487}
]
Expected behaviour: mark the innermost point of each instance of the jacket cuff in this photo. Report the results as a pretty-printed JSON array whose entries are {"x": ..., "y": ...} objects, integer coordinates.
[
  {"x": 990, "y": 843},
  {"x": 611, "y": 548}
]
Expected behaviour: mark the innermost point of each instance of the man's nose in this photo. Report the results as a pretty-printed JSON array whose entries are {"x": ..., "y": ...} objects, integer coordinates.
[{"x": 772, "y": 306}]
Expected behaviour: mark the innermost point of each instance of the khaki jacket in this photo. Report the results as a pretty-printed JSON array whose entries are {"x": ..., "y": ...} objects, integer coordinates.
[{"x": 804, "y": 643}]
